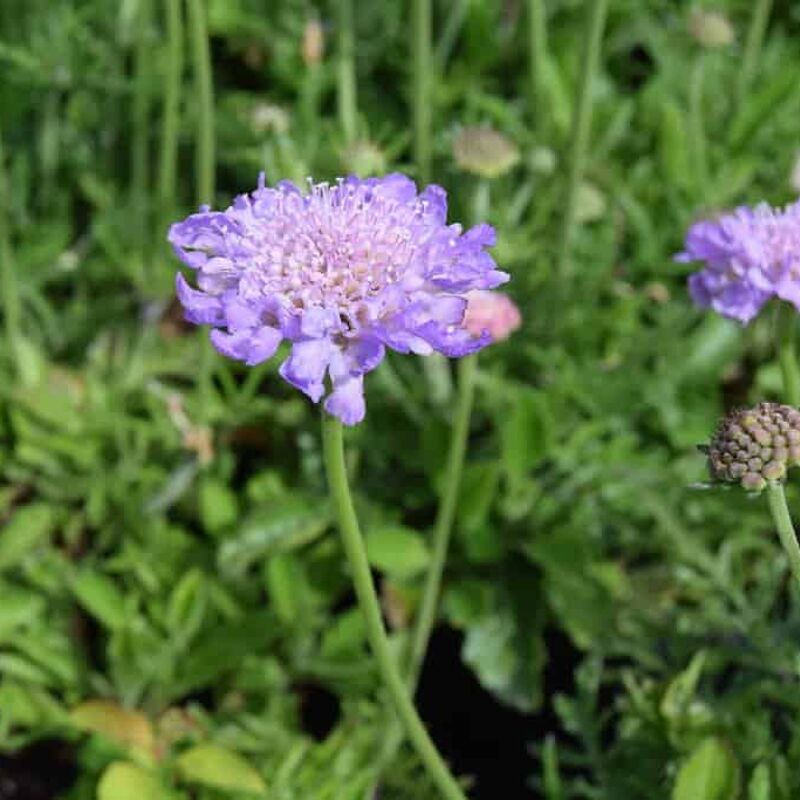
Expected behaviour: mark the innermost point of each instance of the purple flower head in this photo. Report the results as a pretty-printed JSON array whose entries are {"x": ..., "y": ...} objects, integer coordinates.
[
  {"x": 342, "y": 272},
  {"x": 750, "y": 255}
]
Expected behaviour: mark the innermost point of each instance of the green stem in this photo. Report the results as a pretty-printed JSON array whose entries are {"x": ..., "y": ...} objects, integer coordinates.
[
  {"x": 346, "y": 75},
  {"x": 140, "y": 112},
  {"x": 787, "y": 353},
  {"x": 422, "y": 65},
  {"x": 752, "y": 48},
  {"x": 450, "y": 30},
  {"x": 201, "y": 57},
  {"x": 12, "y": 309},
  {"x": 581, "y": 127},
  {"x": 537, "y": 57},
  {"x": 170, "y": 121},
  {"x": 783, "y": 524},
  {"x": 696, "y": 124},
  {"x": 426, "y": 616},
  {"x": 353, "y": 543}
]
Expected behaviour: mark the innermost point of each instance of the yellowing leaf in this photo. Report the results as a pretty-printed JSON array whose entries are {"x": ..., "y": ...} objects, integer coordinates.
[
  {"x": 127, "y": 727},
  {"x": 213, "y": 765},
  {"x": 125, "y": 781}
]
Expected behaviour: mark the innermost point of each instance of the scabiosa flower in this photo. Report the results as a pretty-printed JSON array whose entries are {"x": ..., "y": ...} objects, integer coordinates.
[
  {"x": 755, "y": 446},
  {"x": 342, "y": 272},
  {"x": 750, "y": 255},
  {"x": 494, "y": 313}
]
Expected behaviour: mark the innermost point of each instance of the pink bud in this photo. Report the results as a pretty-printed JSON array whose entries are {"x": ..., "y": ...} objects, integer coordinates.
[{"x": 493, "y": 312}]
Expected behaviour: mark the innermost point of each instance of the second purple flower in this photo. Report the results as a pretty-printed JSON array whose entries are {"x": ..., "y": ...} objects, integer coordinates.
[{"x": 750, "y": 255}]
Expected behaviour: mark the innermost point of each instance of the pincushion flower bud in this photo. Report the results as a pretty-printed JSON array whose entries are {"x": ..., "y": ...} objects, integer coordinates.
[
  {"x": 493, "y": 313},
  {"x": 755, "y": 446},
  {"x": 484, "y": 151},
  {"x": 313, "y": 44},
  {"x": 711, "y": 29}
]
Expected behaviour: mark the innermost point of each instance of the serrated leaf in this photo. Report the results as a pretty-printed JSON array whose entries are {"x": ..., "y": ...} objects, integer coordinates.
[
  {"x": 125, "y": 781},
  {"x": 216, "y": 766}
]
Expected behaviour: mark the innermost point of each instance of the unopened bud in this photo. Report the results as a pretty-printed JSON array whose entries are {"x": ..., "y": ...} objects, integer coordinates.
[
  {"x": 755, "y": 446},
  {"x": 484, "y": 151},
  {"x": 711, "y": 29},
  {"x": 493, "y": 312},
  {"x": 313, "y": 44}
]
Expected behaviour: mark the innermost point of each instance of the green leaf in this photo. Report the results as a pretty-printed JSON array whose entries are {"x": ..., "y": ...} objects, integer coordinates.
[
  {"x": 27, "y": 528},
  {"x": 505, "y": 648},
  {"x": 218, "y": 505},
  {"x": 222, "y": 649},
  {"x": 399, "y": 552},
  {"x": 760, "y": 786},
  {"x": 345, "y": 635},
  {"x": 710, "y": 773},
  {"x": 477, "y": 493},
  {"x": 289, "y": 588},
  {"x": 526, "y": 433},
  {"x": 187, "y": 605},
  {"x": 125, "y": 781},
  {"x": 99, "y": 595},
  {"x": 220, "y": 768},
  {"x": 286, "y": 526}
]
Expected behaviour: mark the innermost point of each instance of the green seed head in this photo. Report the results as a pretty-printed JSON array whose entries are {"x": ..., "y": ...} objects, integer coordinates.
[
  {"x": 484, "y": 151},
  {"x": 755, "y": 446}
]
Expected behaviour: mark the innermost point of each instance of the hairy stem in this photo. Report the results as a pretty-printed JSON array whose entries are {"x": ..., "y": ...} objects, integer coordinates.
[
  {"x": 140, "y": 114},
  {"x": 581, "y": 127},
  {"x": 12, "y": 309},
  {"x": 422, "y": 63},
  {"x": 426, "y": 616},
  {"x": 752, "y": 48},
  {"x": 537, "y": 58},
  {"x": 170, "y": 120},
  {"x": 333, "y": 447},
  {"x": 346, "y": 73},
  {"x": 783, "y": 524},
  {"x": 201, "y": 58}
]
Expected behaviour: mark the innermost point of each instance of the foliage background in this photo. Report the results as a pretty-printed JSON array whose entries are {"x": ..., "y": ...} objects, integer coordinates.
[{"x": 169, "y": 579}]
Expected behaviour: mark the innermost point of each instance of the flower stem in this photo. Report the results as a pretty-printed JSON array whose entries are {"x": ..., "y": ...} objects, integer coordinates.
[
  {"x": 140, "y": 116},
  {"x": 426, "y": 617},
  {"x": 787, "y": 353},
  {"x": 201, "y": 57},
  {"x": 12, "y": 309},
  {"x": 353, "y": 543},
  {"x": 783, "y": 524},
  {"x": 581, "y": 126},
  {"x": 696, "y": 124},
  {"x": 346, "y": 74},
  {"x": 752, "y": 48},
  {"x": 170, "y": 121},
  {"x": 537, "y": 58},
  {"x": 422, "y": 62}
]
